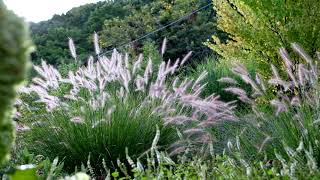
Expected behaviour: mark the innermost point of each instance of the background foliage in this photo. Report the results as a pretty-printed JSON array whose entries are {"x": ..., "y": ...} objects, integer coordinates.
[{"x": 123, "y": 21}]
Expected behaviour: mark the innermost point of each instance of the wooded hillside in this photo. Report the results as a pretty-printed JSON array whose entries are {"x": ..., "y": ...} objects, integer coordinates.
[{"x": 123, "y": 21}]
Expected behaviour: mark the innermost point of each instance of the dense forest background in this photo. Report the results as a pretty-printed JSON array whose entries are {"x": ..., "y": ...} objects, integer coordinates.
[{"x": 123, "y": 21}]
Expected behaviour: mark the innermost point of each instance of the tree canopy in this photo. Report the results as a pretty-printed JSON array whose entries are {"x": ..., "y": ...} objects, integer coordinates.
[
  {"x": 123, "y": 21},
  {"x": 257, "y": 29}
]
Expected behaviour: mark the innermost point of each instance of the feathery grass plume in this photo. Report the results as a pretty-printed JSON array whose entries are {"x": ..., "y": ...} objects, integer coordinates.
[
  {"x": 302, "y": 74},
  {"x": 260, "y": 82},
  {"x": 299, "y": 50},
  {"x": 289, "y": 65},
  {"x": 185, "y": 58},
  {"x": 313, "y": 67},
  {"x": 285, "y": 56},
  {"x": 96, "y": 43},
  {"x": 228, "y": 80},
  {"x": 242, "y": 71},
  {"x": 302, "y": 81},
  {"x": 77, "y": 120},
  {"x": 242, "y": 95},
  {"x": 280, "y": 106},
  {"x": 209, "y": 111},
  {"x": 295, "y": 101},
  {"x": 217, "y": 70},
  {"x": 164, "y": 46},
  {"x": 72, "y": 48},
  {"x": 275, "y": 72}
]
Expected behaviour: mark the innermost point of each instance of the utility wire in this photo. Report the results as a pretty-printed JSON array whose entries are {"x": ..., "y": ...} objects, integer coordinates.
[{"x": 157, "y": 30}]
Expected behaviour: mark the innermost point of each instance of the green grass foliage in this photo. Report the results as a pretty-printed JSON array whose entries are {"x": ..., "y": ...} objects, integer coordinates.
[{"x": 103, "y": 135}]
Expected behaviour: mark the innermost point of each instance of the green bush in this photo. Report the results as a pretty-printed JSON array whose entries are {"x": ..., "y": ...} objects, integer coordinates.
[
  {"x": 150, "y": 50},
  {"x": 14, "y": 53},
  {"x": 257, "y": 29}
]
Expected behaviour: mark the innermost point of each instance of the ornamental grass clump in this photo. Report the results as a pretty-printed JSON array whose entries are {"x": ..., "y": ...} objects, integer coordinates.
[
  {"x": 288, "y": 134},
  {"x": 112, "y": 104},
  {"x": 97, "y": 111}
]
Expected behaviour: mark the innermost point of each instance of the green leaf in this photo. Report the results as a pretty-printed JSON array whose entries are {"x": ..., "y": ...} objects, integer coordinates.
[
  {"x": 115, "y": 174},
  {"x": 24, "y": 172}
]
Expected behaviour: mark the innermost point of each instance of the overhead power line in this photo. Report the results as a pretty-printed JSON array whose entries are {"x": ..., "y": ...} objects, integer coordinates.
[{"x": 157, "y": 30}]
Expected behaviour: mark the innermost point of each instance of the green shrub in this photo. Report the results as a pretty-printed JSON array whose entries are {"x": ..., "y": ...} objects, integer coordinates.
[
  {"x": 258, "y": 28},
  {"x": 150, "y": 50},
  {"x": 14, "y": 53}
]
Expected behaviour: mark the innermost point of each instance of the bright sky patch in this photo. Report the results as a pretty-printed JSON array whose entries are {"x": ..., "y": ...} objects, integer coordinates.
[{"x": 40, "y": 10}]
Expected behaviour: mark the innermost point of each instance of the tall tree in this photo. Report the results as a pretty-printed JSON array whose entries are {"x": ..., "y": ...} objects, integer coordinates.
[{"x": 257, "y": 29}]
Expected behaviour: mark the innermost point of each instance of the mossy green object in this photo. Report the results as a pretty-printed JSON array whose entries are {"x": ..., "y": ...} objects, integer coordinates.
[{"x": 15, "y": 47}]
